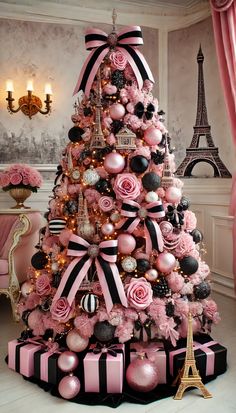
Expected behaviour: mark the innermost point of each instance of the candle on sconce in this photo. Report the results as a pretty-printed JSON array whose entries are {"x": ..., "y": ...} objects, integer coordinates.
[
  {"x": 9, "y": 86},
  {"x": 30, "y": 87},
  {"x": 48, "y": 89}
]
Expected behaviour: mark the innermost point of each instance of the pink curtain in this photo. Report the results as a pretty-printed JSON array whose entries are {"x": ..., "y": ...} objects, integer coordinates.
[{"x": 224, "y": 25}]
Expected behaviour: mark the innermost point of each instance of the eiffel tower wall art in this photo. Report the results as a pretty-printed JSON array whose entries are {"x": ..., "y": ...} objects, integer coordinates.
[{"x": 196, "y": 153}]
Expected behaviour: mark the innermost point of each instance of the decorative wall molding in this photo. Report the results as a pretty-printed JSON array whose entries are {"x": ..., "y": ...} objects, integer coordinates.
[{"x": 163, "y": 16}]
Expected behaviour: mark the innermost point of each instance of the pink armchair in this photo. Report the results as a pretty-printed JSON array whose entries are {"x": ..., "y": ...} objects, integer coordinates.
[{"x": 19, "y": 233}]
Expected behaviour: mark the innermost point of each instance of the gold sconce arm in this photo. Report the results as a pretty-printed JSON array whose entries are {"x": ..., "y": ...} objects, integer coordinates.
[{"x": 29, "y": 104}]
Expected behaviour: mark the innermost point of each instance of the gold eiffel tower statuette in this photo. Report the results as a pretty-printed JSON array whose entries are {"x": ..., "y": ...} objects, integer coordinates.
[{"x": 189, "y": 375}]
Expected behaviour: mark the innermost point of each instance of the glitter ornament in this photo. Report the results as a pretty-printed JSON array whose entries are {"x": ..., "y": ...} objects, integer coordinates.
[
  {"x": 117, "y": 111},
  {"x": 75, "y": 342},
  {"x": 173, "y": 195},
  {"x": 142, "y": 375},
  {"x": 115, "y": 217},
  {"x": 160, "y": 288},
  {"x": 151, "y": 181},
  {"x": 107, "y": 228},
  {"x": 114, "y": 163},
  {"x": 90, "y": 177},
  {"x": 69, "y": 387},
  {"x": 86, "y": 230},
  {"x": 165, "y": 262},
  {"x": 67, "y": 361},
  {"x": 143, "y": 265},
  {"x": 202, "y": 290},
  {"x": 151, "y": 196},
  {"x": 151, "y": 275},
  {"x": 126, "y": 243},
  {"x": 152, "y": 136},
  {"x": 129, "y": 264},
  {"x": 104, "y": 331}
]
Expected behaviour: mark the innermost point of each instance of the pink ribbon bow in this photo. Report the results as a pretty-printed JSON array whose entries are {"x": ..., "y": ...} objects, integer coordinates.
[
  {"x": 104, "y": 255},
  {"x": 134, "y": 213},
  {"x": 100, "y": 42}
]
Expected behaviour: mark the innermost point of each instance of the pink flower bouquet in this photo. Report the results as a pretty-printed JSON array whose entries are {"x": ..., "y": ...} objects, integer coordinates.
[{"x": 20, "y": 176}]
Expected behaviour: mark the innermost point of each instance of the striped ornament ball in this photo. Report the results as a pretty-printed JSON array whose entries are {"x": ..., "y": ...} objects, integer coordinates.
[
  {"x": 89, "y": 303},
  {"x": 56, "y": 225}
]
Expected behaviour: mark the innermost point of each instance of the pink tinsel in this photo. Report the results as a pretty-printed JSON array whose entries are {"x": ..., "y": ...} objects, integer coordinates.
[
  {"x": 85, "y": 325},
  {"x": 195, "y": 308},
  {"x": 167, "y": 329},
  {"x": 181, "y": 307},
  {"x": 91, "y": 195},
  {"x": 157, "y": 309},
  {"x": 35, "y": 322},
  {"x": 185, "y": 246},
  {"x": 32, "y": 301},
  {"x": 175, "y": 281},
  {"x": 190, "y": 221},
  {"x": 124, "y": 331}
]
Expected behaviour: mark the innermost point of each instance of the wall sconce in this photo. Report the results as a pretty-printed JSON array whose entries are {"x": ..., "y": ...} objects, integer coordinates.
[{"x": 29, "y": 104}]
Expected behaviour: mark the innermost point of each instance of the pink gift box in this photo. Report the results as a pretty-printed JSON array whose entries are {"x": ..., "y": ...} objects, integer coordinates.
[
  {"x": 155, "y": 352},
  {"x": 46, "y": 366},
  {"x": 104, "y": 372},
  {"x": 21, "y": 356}
]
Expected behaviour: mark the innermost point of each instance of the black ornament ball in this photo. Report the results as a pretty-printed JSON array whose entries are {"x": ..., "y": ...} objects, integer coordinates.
[
  {"x": 188, "y": 265},
  {"x": 104, "y": 331},
  {"x": 102, "y": 186},
  {"x": 197, "y": 236},
  {"x": 202, "y": 290},
  {"x": 151, "y": 181},
  {"x": 138, "y": 164},
  {"x": 143, "y": 265},
  {"x": 184, "y": 202},
  {"x": 75, "y": 134},
  {"x": 39, "y": 260},
  {"x": 160, "y": 288}
]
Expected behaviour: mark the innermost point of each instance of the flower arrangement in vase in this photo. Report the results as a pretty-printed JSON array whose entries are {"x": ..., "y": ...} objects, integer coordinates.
[{"x": 20, "y": 180}]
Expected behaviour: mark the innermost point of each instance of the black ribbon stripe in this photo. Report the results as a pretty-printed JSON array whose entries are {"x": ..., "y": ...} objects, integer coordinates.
[
  {"x": 134, "y": 33},
  {"x": 76, "y": 247},
  {"x": 152, "y": 232},
  {"x": 110, "y": 280},
  {"x": 73, "y": 275},
  {"x": 90, "y": 65},
  {"x": 127, "y": 223},
  {"x": 92, "y": 36},
  {"x": 37, "y": 364},
  {"x": 129, "y": 208},
  {"x": 109, "y": 250},
  {"x": 17, "y": 356},
  {"x": 156, "y": 208}
]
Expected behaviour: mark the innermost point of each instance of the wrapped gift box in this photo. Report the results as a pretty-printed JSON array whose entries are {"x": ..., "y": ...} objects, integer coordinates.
[
  {"x": 21, "y": 356},
  {"x": 156, "y": 353},
  {"x": 46, "y": 367},
  {"x": 104, "y": 370},
  {"x": 210, "y": 356}
]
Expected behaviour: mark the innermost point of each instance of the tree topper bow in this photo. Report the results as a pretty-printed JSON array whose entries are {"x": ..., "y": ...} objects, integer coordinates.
[{"x": 99, "y": 42}]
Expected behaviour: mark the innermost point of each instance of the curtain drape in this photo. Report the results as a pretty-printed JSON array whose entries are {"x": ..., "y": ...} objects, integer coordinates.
[{"x": 224, "y": 25}]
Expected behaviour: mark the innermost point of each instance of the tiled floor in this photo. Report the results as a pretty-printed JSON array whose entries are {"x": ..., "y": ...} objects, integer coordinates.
[{"x": 19, "y": 396}]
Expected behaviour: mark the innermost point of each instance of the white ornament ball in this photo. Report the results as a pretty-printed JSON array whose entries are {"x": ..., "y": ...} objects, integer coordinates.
[
  {"x": 173, "y": 195},
  {"x": 129, "y": 264},
  {"x": 151, "y": 196},
  {"x": 26, "y": 288},
  {"x": 151, "y": 275},
  {"x": 90, "y": 177},
  {"x": 115, "y": 217},
  {"x": 117, "y": 111},
  {"x": 107, "y": 228},
  {"x": 54, "y": 267}
]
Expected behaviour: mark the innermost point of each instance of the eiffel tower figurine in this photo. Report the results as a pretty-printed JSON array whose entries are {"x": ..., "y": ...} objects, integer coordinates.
[
  {"x": 196, "y": 153},
  {"x": 167, "y": 176},
  {"x": 98, "y": 140},
  {"x": 189, "y": 375}
]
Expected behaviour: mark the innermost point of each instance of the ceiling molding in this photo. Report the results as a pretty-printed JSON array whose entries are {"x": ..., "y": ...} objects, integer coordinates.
[{"x": 167, "y": 18}]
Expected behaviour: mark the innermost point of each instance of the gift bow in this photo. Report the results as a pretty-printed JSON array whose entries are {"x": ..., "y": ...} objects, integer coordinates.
[
  {"x": 104, "y": 255},
  {"x": 100, "y": 42},
  {"x": 103, "y": 348},
  {"x": 134, "y": 213}
]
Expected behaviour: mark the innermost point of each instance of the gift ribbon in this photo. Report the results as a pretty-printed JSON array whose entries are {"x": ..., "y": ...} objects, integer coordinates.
[
  {"x": 21, "y": 343},
  {"x": 155, "y": 352},
  {"x": 99, "y": 43},
  {"x": 143, "y": 328},
  {"x": 134, "y": 213},
  {"x": 104, "y": 255},
  {"x": 210, "y": 360}
]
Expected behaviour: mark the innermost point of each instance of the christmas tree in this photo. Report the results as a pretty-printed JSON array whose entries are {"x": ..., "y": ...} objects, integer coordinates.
[{"x": 120, "y": 258}]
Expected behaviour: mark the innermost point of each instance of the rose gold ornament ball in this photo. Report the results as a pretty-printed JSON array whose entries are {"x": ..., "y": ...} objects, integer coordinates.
[
  {"x": 114, "y": 163},
  {"x": 107, "y": 228},
  {"x": 142, "y": 375},
  {"x": 69, "y": 387},
  {"x": 117, "y": 111},
  {"x": 152, "y": 136},
  {"x": 126, "y": 243},
  {"x": 165, "y": 262},
  {"x": 173, "y": 195},
  {"x": 68, "y": 361},
  {"x": 151, "y": 275},
  {"x": 75, "y": 342}
]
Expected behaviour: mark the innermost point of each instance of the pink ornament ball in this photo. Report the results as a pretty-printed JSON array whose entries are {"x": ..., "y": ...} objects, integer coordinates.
[
  {"x": 126, "y": 243},
  {"x": 75, "y": 342},
  {"x": 114, "y": 163},
  {"x": 173, "y": 195},
  {"x": 117, "y": 111},
  {"x": 107, "y": 228},
  {"x": 151, "y": 275},
  {"x": 68, "y": 361},
  {"x": 152, "y": 136},
  {"x": 142, "y": 375},
  {"x": 165, "y": 262},
  {"x": 69, "y": 387},
  {"x": 26, "y": 288}
]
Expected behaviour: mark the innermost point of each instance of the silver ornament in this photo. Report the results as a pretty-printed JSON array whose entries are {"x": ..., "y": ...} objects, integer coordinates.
[
  {"x": 90, "y": 177},
  {"x": 129, "y": 264}
]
